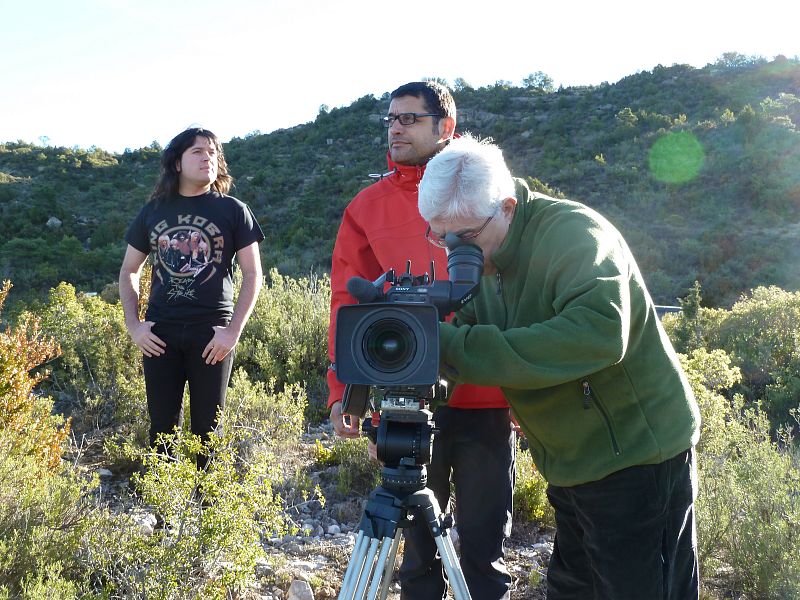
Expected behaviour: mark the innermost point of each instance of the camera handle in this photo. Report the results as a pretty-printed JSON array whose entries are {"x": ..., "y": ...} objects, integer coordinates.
[{"x": 355, "y": 401}]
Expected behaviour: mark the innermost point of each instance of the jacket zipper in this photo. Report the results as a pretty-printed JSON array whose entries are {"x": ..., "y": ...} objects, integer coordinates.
[{"x": 588, "y": 399}]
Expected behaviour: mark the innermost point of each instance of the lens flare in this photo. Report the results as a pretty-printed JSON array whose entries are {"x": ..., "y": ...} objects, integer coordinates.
[{"x": 676, "y": 157}]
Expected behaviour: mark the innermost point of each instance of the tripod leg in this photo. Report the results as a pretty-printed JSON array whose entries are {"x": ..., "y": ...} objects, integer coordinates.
[
  {"x": 455, "y": 575},
  {"x": 354, "y": 567},
  {"x": 426, "y": 506},
  {"x": 366, "y": 572},
  {"x": 387, "y": 572},
  {"x": 378, "y": 530},
  {"x": 383, "y": 568}
]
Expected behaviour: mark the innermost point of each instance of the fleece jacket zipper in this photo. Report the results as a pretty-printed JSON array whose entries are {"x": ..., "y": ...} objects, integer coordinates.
[{"x": 588, "y": 400}]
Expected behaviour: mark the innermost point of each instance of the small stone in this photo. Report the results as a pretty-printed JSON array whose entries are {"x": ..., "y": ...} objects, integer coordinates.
[
  {"x": 263, "y": 567},
  {"x": 300, "y": 590},
  {"x": 292, "y": 547}
]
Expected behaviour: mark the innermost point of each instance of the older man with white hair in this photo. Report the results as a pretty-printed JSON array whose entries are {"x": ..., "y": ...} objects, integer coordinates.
[{"x": 565, "y": 325}]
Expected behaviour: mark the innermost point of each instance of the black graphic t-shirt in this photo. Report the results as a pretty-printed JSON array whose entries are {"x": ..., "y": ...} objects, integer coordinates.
[{"x": 193, "y": 241}]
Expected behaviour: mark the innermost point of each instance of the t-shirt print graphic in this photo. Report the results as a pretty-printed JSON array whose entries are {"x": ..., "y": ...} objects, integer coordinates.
[{"x": 184, "y": 260}]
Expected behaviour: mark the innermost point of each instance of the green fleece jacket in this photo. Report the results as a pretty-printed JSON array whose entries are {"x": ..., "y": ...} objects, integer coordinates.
[{"x": 569, "y": 331}]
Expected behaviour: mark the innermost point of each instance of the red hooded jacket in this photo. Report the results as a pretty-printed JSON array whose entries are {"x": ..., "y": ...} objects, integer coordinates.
[{"x": 382, "y": 229}]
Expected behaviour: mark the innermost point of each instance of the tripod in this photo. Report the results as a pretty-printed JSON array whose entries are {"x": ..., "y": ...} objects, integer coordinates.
[{"x": 386, "y": 513}]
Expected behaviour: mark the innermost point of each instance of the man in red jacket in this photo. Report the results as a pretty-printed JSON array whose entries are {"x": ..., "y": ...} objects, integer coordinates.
[{"x": 382, "y": 229}]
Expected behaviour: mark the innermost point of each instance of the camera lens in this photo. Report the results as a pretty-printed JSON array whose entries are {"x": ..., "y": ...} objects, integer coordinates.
[
  {"x": 388, "y": 345},
  {"x": 380, "y": 344}
]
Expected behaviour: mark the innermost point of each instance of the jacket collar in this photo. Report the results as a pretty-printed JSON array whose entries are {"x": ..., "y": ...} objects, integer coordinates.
[
  {"x": 404, "y": 176},
  {"x": 507, "y": 252}
]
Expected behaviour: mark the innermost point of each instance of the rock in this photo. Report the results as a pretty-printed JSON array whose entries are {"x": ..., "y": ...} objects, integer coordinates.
[
  {"x": 292, "y": 548},
  {"x": 303, "y": 576},
  {"x": 146, "y": 523},
  {"x": 300, "y": 590},
  {"x": 545, "y": 548},
  {"x": 307, "y": 529},
  {"x": 263, "y": 567},
  {"x": 334, "y": 529}
]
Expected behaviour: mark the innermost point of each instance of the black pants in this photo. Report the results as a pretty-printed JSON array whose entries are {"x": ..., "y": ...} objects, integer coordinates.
[
  {"x": 479, "y": 448},
  {"x": 629, "y": 536},
  {"x": 166, "y": 376}
]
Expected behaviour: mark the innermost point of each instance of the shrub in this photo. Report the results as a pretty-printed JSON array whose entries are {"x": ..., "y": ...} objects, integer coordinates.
[
  {"x": 43, "y": 519},
  {"x": 748, "y": 508},
  {"x": 761, "y": 333},
  {"x": 286, "y": 338},
  {"x": 41, "y": 500},
  {"x": 276, "y": 417},
  {"x": 214, "y": 518},
  {"x": 358, "y": 474},
  {"x": 530, "y": 492},
  {"x": 98, "y": 377},
  {"x": 24, "y": 416}
]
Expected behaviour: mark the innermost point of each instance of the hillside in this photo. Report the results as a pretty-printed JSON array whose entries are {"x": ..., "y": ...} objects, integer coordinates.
[{"x": 699, "y": 168}]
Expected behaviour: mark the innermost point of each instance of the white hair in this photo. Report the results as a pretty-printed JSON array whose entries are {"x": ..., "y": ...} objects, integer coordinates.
[{"x": 468, "y": 178}]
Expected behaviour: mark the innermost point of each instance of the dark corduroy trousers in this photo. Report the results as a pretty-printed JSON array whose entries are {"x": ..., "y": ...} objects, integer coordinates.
[{"x": 629, "y": 536}]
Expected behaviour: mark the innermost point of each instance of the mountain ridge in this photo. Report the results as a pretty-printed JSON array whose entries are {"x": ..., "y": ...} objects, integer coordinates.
[{"x": 699, "y": 169}]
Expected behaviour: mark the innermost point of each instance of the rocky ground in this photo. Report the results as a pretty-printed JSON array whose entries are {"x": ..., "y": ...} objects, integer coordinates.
[{"x": 310, "y": 565}]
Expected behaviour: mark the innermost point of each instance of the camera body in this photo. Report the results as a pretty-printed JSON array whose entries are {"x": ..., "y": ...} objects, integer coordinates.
[
  {"x": 391, "y": 338},
  {"x": 389, "y": 343}
]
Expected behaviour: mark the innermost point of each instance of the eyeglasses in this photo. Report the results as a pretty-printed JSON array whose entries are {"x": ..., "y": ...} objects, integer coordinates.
[
  {"x": 404, "y": 118},
  {"x": 469, "y": 234}
]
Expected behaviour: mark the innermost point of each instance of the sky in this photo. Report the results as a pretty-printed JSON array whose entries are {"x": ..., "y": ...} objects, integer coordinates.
[{"x": 120, "y": 74}]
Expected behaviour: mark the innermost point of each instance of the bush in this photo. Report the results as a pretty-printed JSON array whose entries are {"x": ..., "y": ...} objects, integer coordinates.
[
  {"x": 761, "y": 333},
  {"x": 43, "y": 519},
  {"x": 286, "y": 338},
  {"x": 216, "y": 517},
  {"x": 275, "y": 417},
  {"x": 358, "y": 474},
  {"x": 24, "y": 416},
  {"x": 41, "y": 501},
  {"x": 530, "y": 492},
  {"x": 748, "y": 508},
  {"x": 53, "y": 542},
  {"x": 98, "y": 377}
]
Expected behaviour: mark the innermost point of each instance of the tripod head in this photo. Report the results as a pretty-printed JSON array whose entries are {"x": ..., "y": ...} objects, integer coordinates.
[{"x": 403, "y": 434}]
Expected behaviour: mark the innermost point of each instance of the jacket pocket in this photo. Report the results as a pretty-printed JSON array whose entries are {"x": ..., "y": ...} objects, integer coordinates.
[{"x": 591, "y": 400}]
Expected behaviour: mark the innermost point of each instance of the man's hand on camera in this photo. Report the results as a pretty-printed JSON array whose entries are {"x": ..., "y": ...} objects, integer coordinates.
[{"x": 345, "y": 426}]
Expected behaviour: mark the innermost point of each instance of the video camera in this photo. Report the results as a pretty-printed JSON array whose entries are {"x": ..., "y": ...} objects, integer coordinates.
[{"x": 390, "y": 342}]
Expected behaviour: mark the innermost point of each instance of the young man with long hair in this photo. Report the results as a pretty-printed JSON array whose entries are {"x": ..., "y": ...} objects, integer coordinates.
[{"x": 192, "y": 323}]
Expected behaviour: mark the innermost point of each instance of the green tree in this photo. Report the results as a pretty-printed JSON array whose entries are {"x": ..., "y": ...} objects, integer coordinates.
[{"x": 539, "y": 80}]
